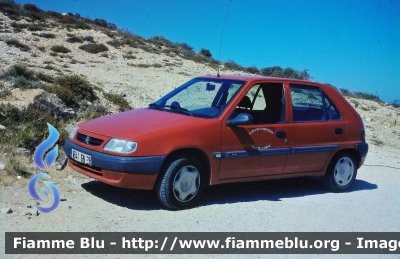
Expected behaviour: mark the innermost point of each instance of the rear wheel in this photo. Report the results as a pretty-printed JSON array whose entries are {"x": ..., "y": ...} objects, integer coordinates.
[
  {"x": 182, "y": 183},
  {"x": 341, "y": 173}
]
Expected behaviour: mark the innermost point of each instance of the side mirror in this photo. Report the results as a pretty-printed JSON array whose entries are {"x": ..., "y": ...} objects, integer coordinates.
[
  {"x": 240, "y": 119},
  {"x": 210, "y": 87}
]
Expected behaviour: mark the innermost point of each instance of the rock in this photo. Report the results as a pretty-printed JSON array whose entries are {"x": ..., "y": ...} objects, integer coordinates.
[
  {"x": 29, "y": 206},
  {"x": 32, "y": 167},
  {"x": 6, "y": 210},
  {"x": 53, "y": 106},
  {"x": 63, "y": 199},
  {"x": 368, "y": 119},
  {"x": 22, "y": 99},
  {"x": 24, "y": 151},
  {"x": 84, "y": 105},
  {"x": 123, "y": 94},
  {"x": 2, "y": 166},
  {"x": 389, "y": 122},
  {"x": 70, "y": 110},
  {"x": 2, "y": 127},
  {"x": 62, "y": 161}
]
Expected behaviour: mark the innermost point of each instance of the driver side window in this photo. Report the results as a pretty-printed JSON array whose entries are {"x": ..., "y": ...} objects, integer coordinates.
[
  {"x": 257, "y": 98},
  {"x": 253, "y": 102},
  {"x": 264, "y": 102}
]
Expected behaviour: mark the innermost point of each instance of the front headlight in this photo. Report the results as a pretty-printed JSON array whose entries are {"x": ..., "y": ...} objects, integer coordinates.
[
  {"x": 120, "y": 146},
  {"x": 72, "y": 133}
]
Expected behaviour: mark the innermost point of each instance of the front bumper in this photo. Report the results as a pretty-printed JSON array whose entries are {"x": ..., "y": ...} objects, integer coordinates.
[{"x": 122, "y": 171}]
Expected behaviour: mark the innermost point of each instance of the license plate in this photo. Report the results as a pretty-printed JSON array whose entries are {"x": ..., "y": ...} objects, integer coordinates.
[{"x": 81, "y": 157}]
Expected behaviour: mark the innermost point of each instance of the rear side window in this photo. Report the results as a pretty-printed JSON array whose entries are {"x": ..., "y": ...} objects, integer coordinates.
[{"x": 309, "y": 103}]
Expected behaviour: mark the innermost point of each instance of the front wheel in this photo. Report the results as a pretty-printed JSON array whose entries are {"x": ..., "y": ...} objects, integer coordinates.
[
  {"x": 341, "y": 173},
  {"x": 182, "y": 183}
]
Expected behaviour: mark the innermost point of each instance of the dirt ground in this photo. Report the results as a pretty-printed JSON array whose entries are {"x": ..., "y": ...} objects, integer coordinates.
[{"x": 292, "y": 205}]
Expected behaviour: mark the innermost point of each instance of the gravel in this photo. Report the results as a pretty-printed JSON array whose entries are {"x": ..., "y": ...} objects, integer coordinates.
[{"x": 286, "y": 205}]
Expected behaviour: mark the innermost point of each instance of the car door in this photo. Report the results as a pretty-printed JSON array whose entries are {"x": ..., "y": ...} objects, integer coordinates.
[
  {"x": 316, "y": 129},
  {"x": 255, "y": 148}
]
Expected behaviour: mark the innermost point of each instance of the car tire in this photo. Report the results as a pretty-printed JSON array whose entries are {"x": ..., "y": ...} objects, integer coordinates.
[
  {"x": 182, "y": 183},
  {"x": 341, "y": 173}
]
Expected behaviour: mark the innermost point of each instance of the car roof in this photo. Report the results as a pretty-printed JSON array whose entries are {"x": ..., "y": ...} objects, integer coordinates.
[{"x": 250, "y": 78}]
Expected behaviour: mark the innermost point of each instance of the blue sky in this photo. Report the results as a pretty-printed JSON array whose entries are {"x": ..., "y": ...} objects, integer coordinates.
[{"x": 349, "y": 44}]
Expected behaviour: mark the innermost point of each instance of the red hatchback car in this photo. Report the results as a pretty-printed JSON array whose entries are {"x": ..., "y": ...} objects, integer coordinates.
[{"x": 221, "y": 129}]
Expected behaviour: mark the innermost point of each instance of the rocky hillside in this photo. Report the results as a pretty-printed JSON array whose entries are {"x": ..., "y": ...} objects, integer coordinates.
[{"x": 65, "y": 70}]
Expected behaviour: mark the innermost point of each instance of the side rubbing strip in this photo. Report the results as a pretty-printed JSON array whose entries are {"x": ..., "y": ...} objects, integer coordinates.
[
  {"x": 275, "y": 151},
  {"x": 297, "y": 150}
]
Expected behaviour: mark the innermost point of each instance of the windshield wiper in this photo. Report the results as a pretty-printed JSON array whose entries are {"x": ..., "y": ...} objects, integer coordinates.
[
  {"x": 179, "y": 109},
  {"x": 159, "y": 107}
]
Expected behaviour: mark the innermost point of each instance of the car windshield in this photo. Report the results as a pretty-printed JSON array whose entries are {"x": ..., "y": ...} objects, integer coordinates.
[{"x": 200, "y": 97}]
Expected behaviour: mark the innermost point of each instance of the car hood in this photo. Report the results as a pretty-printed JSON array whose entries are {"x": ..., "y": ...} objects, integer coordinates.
[{"x": 134, "y": 123}]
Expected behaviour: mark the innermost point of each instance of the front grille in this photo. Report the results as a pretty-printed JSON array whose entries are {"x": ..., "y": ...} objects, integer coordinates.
[{"x": 88, "y": 140}]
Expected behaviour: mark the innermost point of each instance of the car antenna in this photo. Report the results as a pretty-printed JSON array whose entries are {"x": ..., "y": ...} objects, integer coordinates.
[{"x": 222, "y": 35}]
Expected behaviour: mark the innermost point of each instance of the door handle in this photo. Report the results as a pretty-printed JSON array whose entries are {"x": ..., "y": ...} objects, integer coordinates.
[
  {"x": 280, "y": 134},
  {"x": 338, "y": 131}
]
